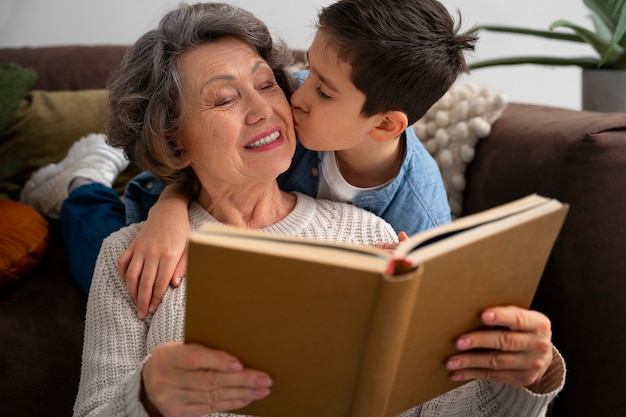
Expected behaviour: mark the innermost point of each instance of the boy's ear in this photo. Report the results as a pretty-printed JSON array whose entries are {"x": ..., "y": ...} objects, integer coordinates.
[{"x": 390, "y": 126}]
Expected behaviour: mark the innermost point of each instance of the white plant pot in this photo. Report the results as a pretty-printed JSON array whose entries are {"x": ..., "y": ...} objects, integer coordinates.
[{"x": 604, "y": 90}]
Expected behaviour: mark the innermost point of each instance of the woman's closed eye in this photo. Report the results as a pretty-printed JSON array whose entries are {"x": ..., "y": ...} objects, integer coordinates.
[
  {"x": 224, "y": 101},
  {"x": 269, "y": 84},
  {"x": 221, "y": 96}
]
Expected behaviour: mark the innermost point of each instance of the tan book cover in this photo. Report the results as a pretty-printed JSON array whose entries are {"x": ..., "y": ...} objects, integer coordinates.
[{"x": 348, "y": 330}]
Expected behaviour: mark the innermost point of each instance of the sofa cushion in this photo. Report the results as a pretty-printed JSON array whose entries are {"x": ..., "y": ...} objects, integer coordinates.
[
  {"x": 41, "y": 326},
  {"x": 42, "y": 130},
  {"x": 23, "y": 241},
  {"x": 451, "y": 129},
  {"x": 15, "y": 81}
]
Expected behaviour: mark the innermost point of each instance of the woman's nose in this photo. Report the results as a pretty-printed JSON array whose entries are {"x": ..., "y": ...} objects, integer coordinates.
[{"x": 259, "y": 108}]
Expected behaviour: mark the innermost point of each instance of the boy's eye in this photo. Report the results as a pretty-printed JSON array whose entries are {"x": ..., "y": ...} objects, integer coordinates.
[{"x": 322, "y": 94}]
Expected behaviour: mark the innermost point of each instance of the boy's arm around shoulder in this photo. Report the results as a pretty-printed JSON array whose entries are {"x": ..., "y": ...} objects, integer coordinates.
[{"x": 157, "y": 255}]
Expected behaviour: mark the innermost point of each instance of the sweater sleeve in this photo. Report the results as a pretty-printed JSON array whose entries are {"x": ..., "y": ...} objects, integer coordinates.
[
  {"x": 485, "y": 398},
  {"x": 114, "y": 346}
]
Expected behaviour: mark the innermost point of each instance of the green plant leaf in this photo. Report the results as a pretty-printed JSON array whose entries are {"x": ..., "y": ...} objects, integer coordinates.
[
  {"x": 618, "y": 35},
  {"x": 583, "y": 62},
  {"x": 608, "y": 38},
  {"x": 613, "y": 14},
  {"x": 607, "y": 10},
  {"x": 603, "y": 38},
  {"x": 600, "y": 44},
  {"x": 600, "y": 26},
  {"x": 533, "y": 32}
]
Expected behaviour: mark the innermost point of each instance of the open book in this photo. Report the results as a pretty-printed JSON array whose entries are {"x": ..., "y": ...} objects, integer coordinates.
[{"x": 348, "y": 330}]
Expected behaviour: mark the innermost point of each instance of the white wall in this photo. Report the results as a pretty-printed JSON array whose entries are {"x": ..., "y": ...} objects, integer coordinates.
[
  {"x": 558, "y": 86},
  {"x": 55, "y": 22}
]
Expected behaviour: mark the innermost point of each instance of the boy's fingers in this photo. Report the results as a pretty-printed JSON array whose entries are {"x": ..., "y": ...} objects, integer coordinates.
[
  {"x": 181, "y": 270},
  {"x": 133, "y": 272},
  {"x": 402, "y": 236},
  {"x": 123, "y": 263},
  {"x": 146, "y": 286},
  {"x": 160, "y": 286}
]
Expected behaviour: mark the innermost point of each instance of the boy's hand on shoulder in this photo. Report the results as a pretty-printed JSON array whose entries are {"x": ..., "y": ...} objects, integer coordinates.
[
  {"x": 402, "y": 236},
  {"x": 154, "y": 259}
]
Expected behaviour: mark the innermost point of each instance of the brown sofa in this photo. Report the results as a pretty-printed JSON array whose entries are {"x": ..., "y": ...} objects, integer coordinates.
[{"x": 577, "y": 157}]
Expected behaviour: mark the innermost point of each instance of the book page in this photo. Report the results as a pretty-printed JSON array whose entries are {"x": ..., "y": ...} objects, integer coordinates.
[{"x": 404, "y": 259}]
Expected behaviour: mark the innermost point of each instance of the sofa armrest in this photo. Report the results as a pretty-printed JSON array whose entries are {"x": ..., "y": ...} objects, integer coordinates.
[{"x": 579, "y": 158}]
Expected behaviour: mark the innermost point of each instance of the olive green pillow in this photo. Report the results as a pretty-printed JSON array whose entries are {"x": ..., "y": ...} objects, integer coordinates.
[
  {"x": 43, "y": 128},
  {"x": 15, "y": 81}
]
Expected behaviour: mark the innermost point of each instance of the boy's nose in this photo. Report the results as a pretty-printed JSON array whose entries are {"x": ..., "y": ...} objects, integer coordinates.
[{"x": 296, "y": 100}]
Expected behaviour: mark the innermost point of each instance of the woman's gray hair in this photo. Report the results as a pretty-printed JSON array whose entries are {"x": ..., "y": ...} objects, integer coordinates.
[{"x": 144, "y": 91}]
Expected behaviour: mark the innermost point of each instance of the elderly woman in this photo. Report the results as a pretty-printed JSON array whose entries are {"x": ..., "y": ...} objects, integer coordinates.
[{"x": 201, "y": 100}]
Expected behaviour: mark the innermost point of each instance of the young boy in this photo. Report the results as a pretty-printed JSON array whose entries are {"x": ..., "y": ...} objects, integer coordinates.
[{"x": 376, "y": 67}]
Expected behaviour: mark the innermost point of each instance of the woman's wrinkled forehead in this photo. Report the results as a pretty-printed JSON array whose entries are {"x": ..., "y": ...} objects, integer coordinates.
[{"x": 218, "y": 54}]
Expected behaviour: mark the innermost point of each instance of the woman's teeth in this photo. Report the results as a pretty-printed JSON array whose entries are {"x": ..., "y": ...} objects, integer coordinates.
[{"x": 264, "y": 141}]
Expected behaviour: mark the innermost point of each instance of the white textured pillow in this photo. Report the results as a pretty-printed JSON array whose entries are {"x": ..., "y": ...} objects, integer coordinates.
[{"x": 452, "y": 127}]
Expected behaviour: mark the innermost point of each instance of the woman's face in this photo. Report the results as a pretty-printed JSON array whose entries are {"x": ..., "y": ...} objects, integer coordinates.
[{"x": 237, "y": 123}]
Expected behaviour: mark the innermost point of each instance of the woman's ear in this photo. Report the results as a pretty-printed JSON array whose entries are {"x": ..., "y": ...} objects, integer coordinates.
[
  {"x": 181, "y": 154},
  {"x": 391, "y": 125}
]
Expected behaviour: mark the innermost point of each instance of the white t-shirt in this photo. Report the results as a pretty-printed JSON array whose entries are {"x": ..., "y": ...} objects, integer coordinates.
[{"x": 333, "y": 186}]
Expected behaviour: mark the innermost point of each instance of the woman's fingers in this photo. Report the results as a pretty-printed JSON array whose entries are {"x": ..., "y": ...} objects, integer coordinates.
[
  {"x": 516, "y": 349},
  {"x": 183, "y": 379}
]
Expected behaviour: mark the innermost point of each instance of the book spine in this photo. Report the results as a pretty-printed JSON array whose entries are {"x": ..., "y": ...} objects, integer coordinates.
[{"x": 388, "y": 328}]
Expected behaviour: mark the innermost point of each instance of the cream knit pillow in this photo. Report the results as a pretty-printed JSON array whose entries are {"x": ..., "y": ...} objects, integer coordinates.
[{"x": 452, "y": 127}]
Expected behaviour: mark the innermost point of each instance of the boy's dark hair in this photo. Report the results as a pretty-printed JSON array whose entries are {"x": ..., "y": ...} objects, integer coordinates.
[{"x": 405, "y": 54}]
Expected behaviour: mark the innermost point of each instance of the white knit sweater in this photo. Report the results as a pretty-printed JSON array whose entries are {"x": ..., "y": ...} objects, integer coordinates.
[{"x": 117, "y": 344}]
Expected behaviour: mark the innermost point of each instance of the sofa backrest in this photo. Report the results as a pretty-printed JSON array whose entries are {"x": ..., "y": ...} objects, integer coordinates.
[{"x": 68, "y": 67}]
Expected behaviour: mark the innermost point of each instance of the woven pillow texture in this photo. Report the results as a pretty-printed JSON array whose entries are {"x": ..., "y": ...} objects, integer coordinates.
[{"x": 451, "y": 129}]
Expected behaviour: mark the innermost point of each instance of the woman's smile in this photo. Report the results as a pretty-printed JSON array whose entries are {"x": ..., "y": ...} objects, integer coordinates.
[{"x": 266, "y": 140}]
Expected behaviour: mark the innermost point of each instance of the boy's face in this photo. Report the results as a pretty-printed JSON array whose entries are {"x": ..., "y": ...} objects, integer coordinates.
[{"x": 327, "y": 106}]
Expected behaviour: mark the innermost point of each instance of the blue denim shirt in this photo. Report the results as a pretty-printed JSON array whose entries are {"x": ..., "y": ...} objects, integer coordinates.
[
  {"x": 141, "y": 193},
  {"x": 415, "y": 200}
]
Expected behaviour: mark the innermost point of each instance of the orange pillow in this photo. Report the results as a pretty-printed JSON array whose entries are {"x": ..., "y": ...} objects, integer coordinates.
[{"x": 24, "y": 237}]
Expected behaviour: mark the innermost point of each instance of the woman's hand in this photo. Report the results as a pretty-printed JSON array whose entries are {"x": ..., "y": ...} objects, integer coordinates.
[
  {"x": 158, "y": 254},
  {"x": 192, "y": 380},
  {"x": 517, "y": 350}
]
